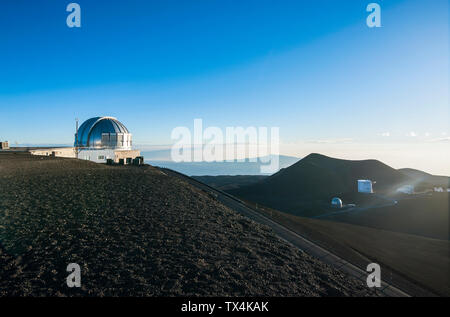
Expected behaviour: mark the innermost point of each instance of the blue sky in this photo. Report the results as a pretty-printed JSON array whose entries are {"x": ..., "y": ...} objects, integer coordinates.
[{"x": 312, "y": 68}]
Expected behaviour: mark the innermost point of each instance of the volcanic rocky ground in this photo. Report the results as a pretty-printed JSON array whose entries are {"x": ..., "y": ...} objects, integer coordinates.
[{"x": 138, "y": 232}]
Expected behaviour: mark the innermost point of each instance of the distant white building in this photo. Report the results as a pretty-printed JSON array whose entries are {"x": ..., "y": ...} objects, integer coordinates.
[
  {"x": 439, "y": 189},
  {"x": 365, "y": 186},
  {"x": 98, "y": 140},
  {"x": 336, "y": 203},
  {"x": 406, "y": 189}
]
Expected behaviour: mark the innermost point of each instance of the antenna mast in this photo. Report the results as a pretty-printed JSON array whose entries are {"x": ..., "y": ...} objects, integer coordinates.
[{"x": 76, "y": 138}]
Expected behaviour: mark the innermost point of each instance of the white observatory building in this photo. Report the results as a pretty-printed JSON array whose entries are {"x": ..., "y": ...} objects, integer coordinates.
[
  {"x": 98, "y": 139},
  {"x": 101, "y": 138}
]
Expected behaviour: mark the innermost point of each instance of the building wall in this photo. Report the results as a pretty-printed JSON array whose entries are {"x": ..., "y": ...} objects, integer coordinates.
[
  {"x": 58, "y": 152},
  {"x": 4, "y": 145},
  {"x": 94, "y": 155},
  {"x": 97, "y": 156},
  {"x": 123, "y": 154},
  {"x": 102, "y": 155}
]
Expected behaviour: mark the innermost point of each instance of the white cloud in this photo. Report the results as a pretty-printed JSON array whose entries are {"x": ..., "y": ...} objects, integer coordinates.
[{"x": 446, "y": 139}]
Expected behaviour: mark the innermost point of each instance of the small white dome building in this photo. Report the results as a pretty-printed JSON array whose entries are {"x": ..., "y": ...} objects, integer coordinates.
[
  {"x": 100, "y": 140},
  {"x": 336, "y": 203}
]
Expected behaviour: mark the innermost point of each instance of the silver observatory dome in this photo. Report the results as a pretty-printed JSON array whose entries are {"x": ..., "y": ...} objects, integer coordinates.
[
  {"x": 103, "y": 132},
  {"x": 337, "y": 202}
]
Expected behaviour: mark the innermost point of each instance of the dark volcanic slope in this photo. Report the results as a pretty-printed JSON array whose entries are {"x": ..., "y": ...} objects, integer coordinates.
[
  {"x": 318, "y": 178},
  {"x": 136, "y": 231},
  {"x": 420, "y": 176},
  {"x": 225, "y": 182}
]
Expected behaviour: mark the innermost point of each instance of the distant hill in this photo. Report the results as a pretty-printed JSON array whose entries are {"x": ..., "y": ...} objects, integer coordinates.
[
  {"x": 219, "y": 168},
  {"x": 229, "y": 182},
  {"x": 420, "y": 176},
  {"x": 314, "y": 180}
]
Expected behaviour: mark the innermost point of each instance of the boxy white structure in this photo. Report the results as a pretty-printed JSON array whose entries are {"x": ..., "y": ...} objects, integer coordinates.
[{"x": 365, "y": 186}]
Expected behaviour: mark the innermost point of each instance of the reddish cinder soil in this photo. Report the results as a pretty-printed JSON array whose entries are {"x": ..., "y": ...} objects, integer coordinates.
[{"x": 138, "y": 232}]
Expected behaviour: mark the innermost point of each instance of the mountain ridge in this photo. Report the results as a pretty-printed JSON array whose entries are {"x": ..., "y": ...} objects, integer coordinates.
[
  {"x": 317, "y": 178},
  {"x": 418, "y": 175}
]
